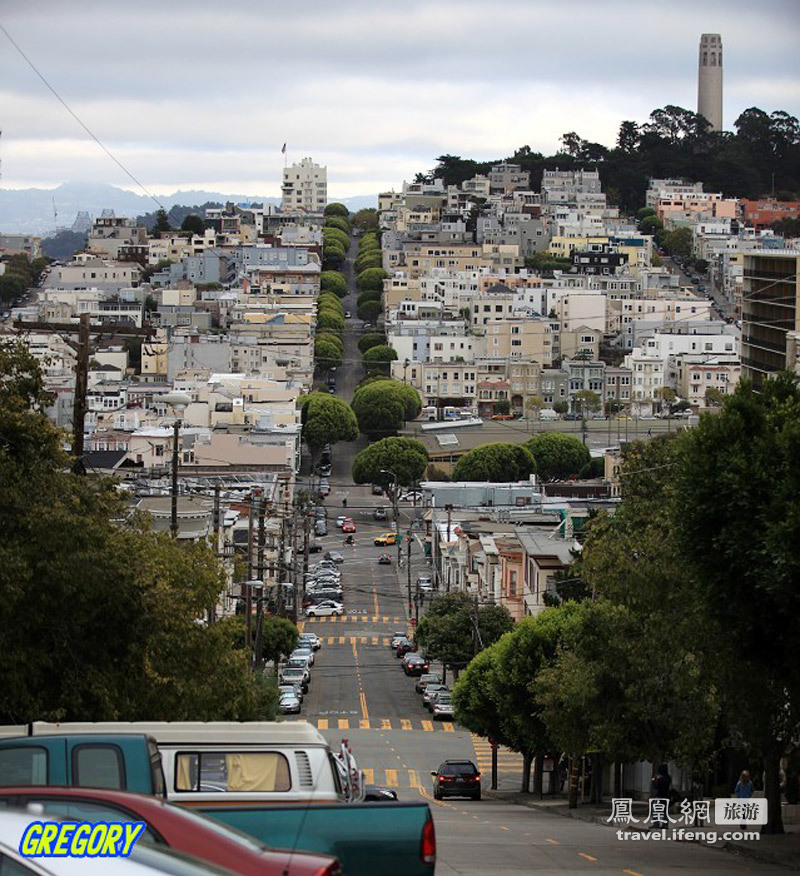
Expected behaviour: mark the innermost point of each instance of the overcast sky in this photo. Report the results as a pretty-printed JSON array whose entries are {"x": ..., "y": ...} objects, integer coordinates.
[{"x": 203, "y": 95}]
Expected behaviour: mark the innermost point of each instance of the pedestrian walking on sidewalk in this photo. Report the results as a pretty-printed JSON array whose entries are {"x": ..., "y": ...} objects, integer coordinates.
[
  {"x": 662, "y": 783},
  {"x": 744, "y": 789}
]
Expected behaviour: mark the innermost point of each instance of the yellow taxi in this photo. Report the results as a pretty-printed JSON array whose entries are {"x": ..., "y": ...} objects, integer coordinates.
[{"x": 386, "y": 539}]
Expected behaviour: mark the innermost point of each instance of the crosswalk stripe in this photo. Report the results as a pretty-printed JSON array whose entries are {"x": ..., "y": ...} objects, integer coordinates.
[
  {"x": 344, "y": 724},
  {"x": 341, "y": 640},
  {"x": 352, "y": 640},
  {"x": 405, "y": 724},
  {"x": 330, "y": 640},
  {"x": 391, "y": 778},
  {"x": 369, "y": 776},
  {"x": 386, "y": 724},
  {"x": 385, "y": 641},
  {"x": 322, "y": 724},
  {"x": 385, "y": 619},
  {"x": 413, "y": 778},
  {"x": 448, "y": 728},
  {"x": 364, "y": 618},
  {"x": 427, "y": 725},
  {"x": 363, "y": 723},
  {"x": 374, "y": 640}
]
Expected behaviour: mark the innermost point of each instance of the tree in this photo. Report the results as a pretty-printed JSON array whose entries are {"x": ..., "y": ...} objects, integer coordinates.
[
  {"x": 326, "y": 353},
  {"x": 455, "y": 629},
  {"x": 380, "y": 409},
  {"x": 279, "y": 638},
  {"x": 678, "y": 242},
  {"x": 740, "y": 469},
  {"x": 405, "y": 457},
  {"x": 369, "y": 311},
  {"x": 628, "y": 137},
  {"x": 193, "y": 224},
  {"x": 161, "y": 222},
  {"x": 368, "y": 259},
  {"x": 333, "y": 281},
  {"x": 369, "y": 295},
  {"x": 326, "y": 419},
  {"x": 498, "y": 463},
  {"x": 329, "y": 301},
  {"x": 714, "y": 397},
  {"x": 666, "y": 396},
  {"x": 534, "y": 404},
  {"x": 328, "y": 319},
  {"x": 379, "y": 359},
  {"x": 11, "y": 287},
  {"x": 473, "y": 698},
  {"x": 558, "y": 456},
  {"x": 338, "y": 222},
  {"x": 334, "y": 236},
  {"x": 366, "y": 219},
  {"x": 332, "y": 257},
  {"x": 372, "y": 278},
  {"x": 373, "y": 339},
  {"x": 561, "y": 407},
  {"x": 336, "y": 209},
  {"x": 701, "y": 265},
  {"x": 588, "y": 401},
  {"x": 650, "y": 225}
]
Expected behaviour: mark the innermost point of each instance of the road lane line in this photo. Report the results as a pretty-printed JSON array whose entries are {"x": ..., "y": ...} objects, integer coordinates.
[
  {"x": 375, "y": 598},
  {"x": 503, "y": 827},
  {"x": 344, "y": 723},
  {"x": 353, "y": 642},
  {"x": 330, "y": 640},
  {"x": 632, "y": 873},
  {"x": 363, "y": 724},
  {"x": 551, "y": 841},
  {"x": 413, "y": 778},
  {"x": 341, "y": 640},
  {"x": 369, "y": 776},
  {"x": 588, "y": 857},
  {"x": 427, "y": 725},
  {"x": 405, "y": 724},
  {"x": 385, "y": 642},
  {"x": 448, "y": 728},
  {"x": 364, "y": 710},
  {"x": 322, "y": 724},
  {"x": 391, "y": 778},
  {"x": 386, "y": 724}
]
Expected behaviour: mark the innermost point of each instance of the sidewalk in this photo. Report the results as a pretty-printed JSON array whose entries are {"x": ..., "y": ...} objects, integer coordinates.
[{"x": 782, "y": 850}]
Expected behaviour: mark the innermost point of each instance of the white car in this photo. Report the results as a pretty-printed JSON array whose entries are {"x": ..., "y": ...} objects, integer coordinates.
[
  {"x": 301, "y": 652},
  {"x": 327, "y": 608},
  {"x": 340, "y": 521},
  {"x": 289, "y": 704},
  {"x": 311, "y": 640}
]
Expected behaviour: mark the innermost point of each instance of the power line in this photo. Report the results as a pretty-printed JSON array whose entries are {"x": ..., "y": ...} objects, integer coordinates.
[{"x": 77, "y": 119}]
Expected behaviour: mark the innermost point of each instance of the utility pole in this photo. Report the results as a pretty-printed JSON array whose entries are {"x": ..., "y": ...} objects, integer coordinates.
[
  {"x": 294, "y": 569},
  {"x": 449, "y": 509},
  {"x": 212, "y": 612},
  {"x": 408, "y": 571},
  {"x": 83, "y": 329},
  {"x": 281, "y": 563},
  {"x": 248, "y": 601}
]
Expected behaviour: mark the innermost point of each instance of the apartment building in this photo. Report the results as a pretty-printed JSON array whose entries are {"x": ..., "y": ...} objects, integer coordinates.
[
  {"x": 515, "y": 337},
  {"x": 305, "y": 187},
  {"x": 696, "y": 375}
]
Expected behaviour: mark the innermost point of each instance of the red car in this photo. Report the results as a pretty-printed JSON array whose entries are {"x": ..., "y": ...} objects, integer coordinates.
[
  {"x": 349, "y": 525},
  {"x": 178, "y": 828}
]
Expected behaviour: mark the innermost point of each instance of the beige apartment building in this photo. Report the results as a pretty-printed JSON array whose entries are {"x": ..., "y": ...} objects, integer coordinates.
[{"x": 517, "y": 338}]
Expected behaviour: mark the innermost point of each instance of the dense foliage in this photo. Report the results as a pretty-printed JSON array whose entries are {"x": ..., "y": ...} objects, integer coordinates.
[
  {"x": 497, "y": 462},
  {"x": 405, "y": 457}
]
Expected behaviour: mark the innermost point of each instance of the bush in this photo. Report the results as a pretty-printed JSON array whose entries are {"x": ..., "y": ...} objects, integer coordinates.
[
  {"x": 334, "y": 235},
  {"x": 370, "y": 260},
  {"x": 327, "y": 300},
  {"x": 558, "y": 456},
  {"x": 369, "y": 295},
  {"x": 379, "y": 359},
  {"x": 330, "y": 320},
  {"x": 497, "y": 463},
  {"x": 370, "y": 340}
]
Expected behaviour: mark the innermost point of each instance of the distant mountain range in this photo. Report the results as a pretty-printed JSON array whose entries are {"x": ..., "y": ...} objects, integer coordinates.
[{"x": 31, "y": 210}]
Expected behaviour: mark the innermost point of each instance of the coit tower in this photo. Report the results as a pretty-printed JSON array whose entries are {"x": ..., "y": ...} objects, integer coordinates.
[{"x": 709, "y": 79}]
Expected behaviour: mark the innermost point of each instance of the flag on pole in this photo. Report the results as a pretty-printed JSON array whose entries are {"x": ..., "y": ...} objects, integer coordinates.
[{"x": 283, "y": 150}]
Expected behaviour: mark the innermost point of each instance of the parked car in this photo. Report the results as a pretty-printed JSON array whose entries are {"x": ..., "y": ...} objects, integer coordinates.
[
  {"x": 377, "y": 490},
  {"x": 442, "y": 707},
  {"x": 410, "y": 496},
  {"x": 388, "y": 538},
  {"x": 326, "y": 608},
  {"x": 340, "y": 521},
  {"x": 405, "y": 646},
  {"x": 431, "y": 692},
  {"x": 293, "y": 676},
  {"x": 302, "y": 665},
  {"x": 303, "y": 652},
  {"x": 289, "y": 704},
  {"x": 425, "y": 679},
  {"x": 349, "y": 525},
  {"x": 348, "y": 315},
  {"x": 312, "y": 639},
  {"x": 320, "y": 512},
  {"x": 314, "y": 547},
  {"x": 384, "y": 560},
  {"x": 395, "y": 640},
  {"x": 379, "y": 794},
  {"x": 323, "y": 594},
  {"x": 413, "y": 664},
  {"x": 457, "y": 778},
  {"x": 320, "y": 528},
  {"x": 379, "y": 514},
  {"x": 324, "y": 487},
  {"x": 291, "y": 688},
  {"x": 176, "y": 827},
  {"x": 334, "y": 556},
  {"x": 323, "y": 470},
  {"x": 425, "y": 583}
]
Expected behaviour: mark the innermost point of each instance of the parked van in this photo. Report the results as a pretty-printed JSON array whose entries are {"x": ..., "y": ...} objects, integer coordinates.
[{"x": 547, "y": 414}]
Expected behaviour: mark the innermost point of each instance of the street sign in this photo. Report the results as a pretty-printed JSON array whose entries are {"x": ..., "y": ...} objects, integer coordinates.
[{"x": 413, "y": 621}]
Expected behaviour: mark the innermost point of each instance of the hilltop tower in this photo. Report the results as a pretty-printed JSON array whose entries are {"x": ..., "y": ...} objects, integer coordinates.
[{"x": 709, "y": 79}]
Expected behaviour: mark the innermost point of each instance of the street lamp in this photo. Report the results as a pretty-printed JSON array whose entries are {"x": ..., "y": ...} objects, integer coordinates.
[
  {"x": 394, "y": 496},
  {"x": 178, "y": 401}
]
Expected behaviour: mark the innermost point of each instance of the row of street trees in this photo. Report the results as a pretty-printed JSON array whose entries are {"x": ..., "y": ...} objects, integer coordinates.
[
  {"x": 20, "y": 274},
  {"x": 551, "y": 455},
  {"x": 328, "y": 344},
  {"x": 99, "y": 613},
  {"x": 369, "y": 278},
  {"x": 679, "y": 637}
]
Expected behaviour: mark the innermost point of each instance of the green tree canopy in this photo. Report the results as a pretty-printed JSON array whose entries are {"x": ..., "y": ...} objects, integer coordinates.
[
  {"x": 679, "y": 242},
  {"x": 336, "y": 209},
  {"x": 372, "y": 339},
  {"x": 369, "y": 311},
  {"x": 326, "y": 419},
  {"x": 329, "y": 335},
  {"x": 369, "y": 295},
  {"x": 336, "y": 235},
  {"x": 329, "y": 319},
  {"x": 279, "y": 638},
  {"x": 161, "y": 222},
  {"x": 371, "y": 278},
  {"x": 326, "y": 353},
  {"x": 404, "y": 456},
  {"x": 329, "y": 301},
  {"x": 338, "y": 222},
  {"x": 378, "y": 359},
  {"x": 366, "y": 219},
  {"x": 650, "y": 225},
  {"x": 382, "y": 406},
  {"x": 12, "y": 287},
  {"x": 367, "y": 260},
  {"x": 558, "y": 456},
  {"x": 333, "y": 281},
  {"x": 193, "y": 224},
  {"x": 496, "y": 462}
]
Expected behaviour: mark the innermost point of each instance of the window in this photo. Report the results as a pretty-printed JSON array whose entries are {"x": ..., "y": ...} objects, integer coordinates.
[
  {"x": 98, "y": 766},
  {"x": 232, "y": 771},
  {"x": 24, "y": 765}
]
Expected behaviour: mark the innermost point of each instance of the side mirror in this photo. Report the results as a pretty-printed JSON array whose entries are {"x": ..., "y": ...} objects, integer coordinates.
[{"x": 434, "y": 773}]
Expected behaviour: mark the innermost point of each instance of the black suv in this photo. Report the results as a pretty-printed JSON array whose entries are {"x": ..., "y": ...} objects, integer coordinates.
[{"x": 457, "y": 778}]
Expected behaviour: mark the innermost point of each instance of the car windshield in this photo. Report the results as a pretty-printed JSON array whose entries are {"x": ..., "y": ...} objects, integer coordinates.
[{"x": 457, "y": 769}]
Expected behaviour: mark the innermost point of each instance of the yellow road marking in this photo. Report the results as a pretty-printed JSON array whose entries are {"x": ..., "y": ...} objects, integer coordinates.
[
  {"x": 322, "y": 724},
  {"x": 385, "y": 641},
  {"x": 364, "y": 710},
  {"x": 391, "y": 778},
  {"x": 413, "y": 778},
  {"x": 330, "y": 640},
  {"x": 369, "y": 776},
  {"x": 588, "y": 857},
  {"x": 405, "y": 724},
  {"x": 504, "y": 828},
  {"x": 363, "y": 724},
  {"x": 353, "y": 642},
  {"x": 374, "y": 640},
  {"x": 448, "y": 728},
  {"x": 385, "y": 619},
  {"x": 551, "y": 841},
  {"x": 632, "y": 873},
  {"x": 427, "y": 725},
  {"x": 386, "y": 724},
  {"x": 375, "y": 598},
  {"x": 363, "y": 618},
  {"x": 341, "y": 640},
  {"x": 344, "y": 724}
]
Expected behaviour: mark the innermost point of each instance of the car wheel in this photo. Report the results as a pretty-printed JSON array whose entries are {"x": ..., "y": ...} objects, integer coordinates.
[
  {"x": 437, "y": 794},
  {"x": 311, "y": 614},
  {"x": 476, "y": 796}
]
